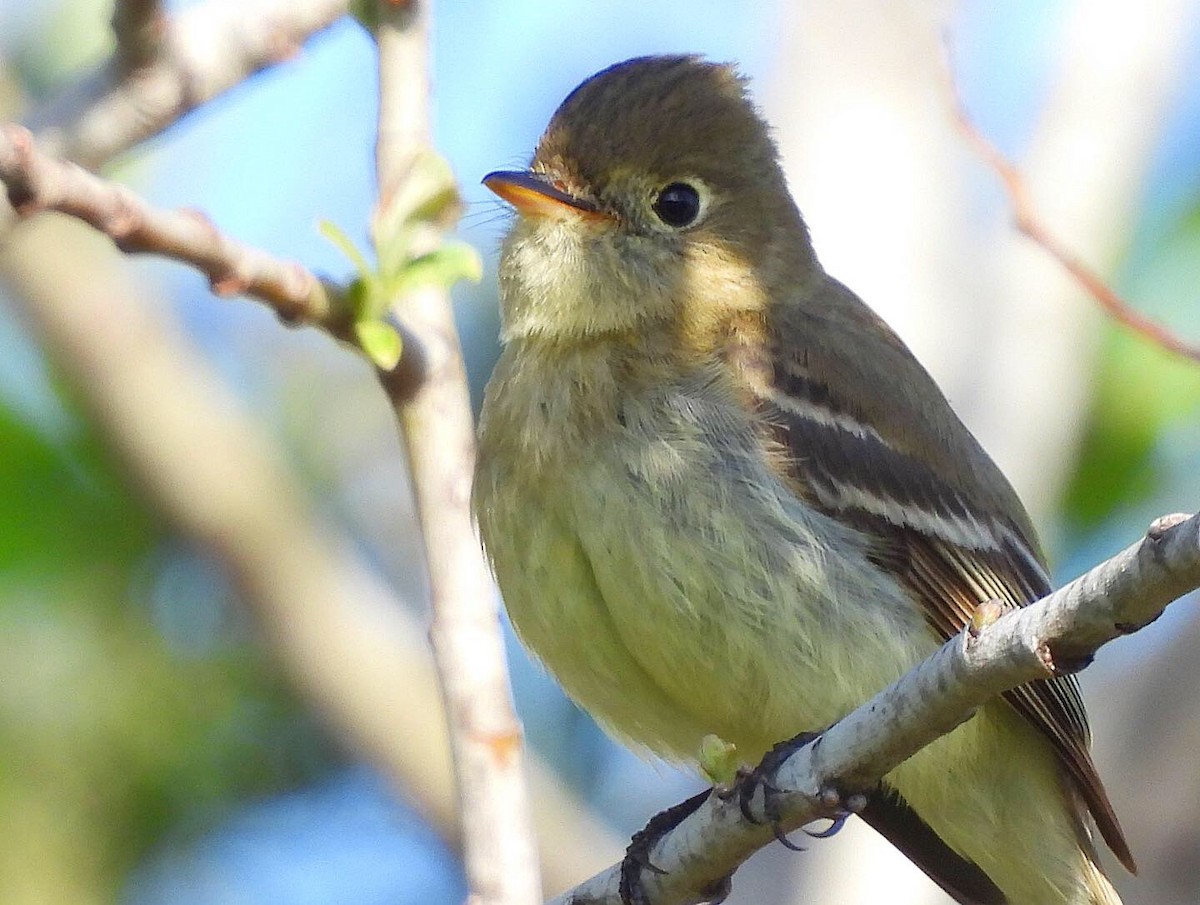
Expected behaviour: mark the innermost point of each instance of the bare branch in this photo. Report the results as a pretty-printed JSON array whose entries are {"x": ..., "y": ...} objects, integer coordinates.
[
  {"x": 1050, "y": 637},
  {"x": 194, "y": 56},
  {"x": 36, "y": 182},
  {"x": 404, "y": 105},
  {"x": 429, "y": 392},
  {"x": 1029, "y": 224}
]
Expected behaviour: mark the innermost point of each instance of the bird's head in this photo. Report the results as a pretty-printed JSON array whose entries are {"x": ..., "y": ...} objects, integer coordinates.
[{"x": 655, "y": 197}]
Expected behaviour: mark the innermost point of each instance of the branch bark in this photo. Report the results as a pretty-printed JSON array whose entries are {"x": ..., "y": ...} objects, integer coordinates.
[
  {"x": 430, "y": 395},
  {"x": 1055, "y": 635},
  {"x": 192, "y": 57},
  {"x": 36, "y": 181}
]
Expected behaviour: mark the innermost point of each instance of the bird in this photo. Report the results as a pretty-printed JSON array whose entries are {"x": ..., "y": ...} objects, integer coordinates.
[{"x": 722, "y": 498}]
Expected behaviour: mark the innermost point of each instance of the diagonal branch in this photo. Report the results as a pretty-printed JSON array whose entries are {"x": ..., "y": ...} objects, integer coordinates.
[
  {"x": 36, "y": 182},
  {"x": 1029, "y": 224},
  {"x": 179, "y": 63},
  {"x": 1116, "y": 598}
]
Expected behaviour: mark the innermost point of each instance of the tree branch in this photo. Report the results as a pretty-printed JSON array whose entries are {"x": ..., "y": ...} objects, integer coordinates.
[
  {"x": 37, "y": 181},
  {"x": 1055, "y": 635},
  {"x": 158, "y": 75},
  {"x": 1029, "y": 224},
  {"x": 429, "y": 393}
]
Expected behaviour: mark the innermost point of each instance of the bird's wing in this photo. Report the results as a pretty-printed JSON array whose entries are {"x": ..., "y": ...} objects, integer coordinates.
[{"x": 955, "y": 539}]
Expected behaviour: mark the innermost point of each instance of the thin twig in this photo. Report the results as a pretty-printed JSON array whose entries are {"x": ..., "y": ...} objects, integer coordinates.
[
  {"x": 433, "y": 406},
  {"x": 201, "y": 52},
  {"x": 37, "y": 182},
  {"x": 1029, "y": 224},
  {"x": 1116, "y": 598}
]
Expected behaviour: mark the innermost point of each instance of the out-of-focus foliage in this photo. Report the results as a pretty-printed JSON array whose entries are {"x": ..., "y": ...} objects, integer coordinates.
[
  {"x": 110, "y": 736},
  {"x": 1146, "y": 398},
  {"x": 79, "y": 42},
  {"x": 63, "y": 512}
]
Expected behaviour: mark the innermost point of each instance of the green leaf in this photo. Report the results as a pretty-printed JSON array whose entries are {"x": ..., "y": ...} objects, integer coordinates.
[
  {"x": 443, "y": 267},
  {"x": 358, "y": 295},
  {"x": 343, "y": 243},
  {"x": 395, "y": 251},
  {"x": 380, "y": 341},
  {"x": 406, "y": 230},
  {"x": 719, "y": 760},
  {"x": 369, "y": 298},
  {"x": 422, "y": 205}
]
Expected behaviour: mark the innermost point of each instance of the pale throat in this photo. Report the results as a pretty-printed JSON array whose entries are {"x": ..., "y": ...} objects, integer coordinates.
[{"x": 690, "y": 305}]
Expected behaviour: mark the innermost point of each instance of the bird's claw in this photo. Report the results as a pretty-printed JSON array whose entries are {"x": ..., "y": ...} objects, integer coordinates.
[
  {"x": 835, "y": 824},
  {"x": 762, "y": 777}
]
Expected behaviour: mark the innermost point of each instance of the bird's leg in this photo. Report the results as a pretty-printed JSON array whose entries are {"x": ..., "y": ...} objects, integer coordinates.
[
  {"x": 637, "y": 855},
  {"x": 763, "y": 776},
  {"x": 718, "y": 761}
]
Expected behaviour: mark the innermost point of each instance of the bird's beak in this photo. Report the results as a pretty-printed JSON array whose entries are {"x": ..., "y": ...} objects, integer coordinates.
[{"x": 534, "y": 195}]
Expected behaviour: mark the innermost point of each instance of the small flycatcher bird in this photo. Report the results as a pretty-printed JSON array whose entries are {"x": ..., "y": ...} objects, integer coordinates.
[{"x": 721, "y": 497}]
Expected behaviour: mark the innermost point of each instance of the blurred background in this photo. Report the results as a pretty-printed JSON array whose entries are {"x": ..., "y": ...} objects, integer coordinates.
[{"x": 159, "y": 740}]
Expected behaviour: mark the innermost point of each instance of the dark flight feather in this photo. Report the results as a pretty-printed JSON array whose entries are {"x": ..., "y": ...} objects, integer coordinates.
[{"x": 955, "y": 538}]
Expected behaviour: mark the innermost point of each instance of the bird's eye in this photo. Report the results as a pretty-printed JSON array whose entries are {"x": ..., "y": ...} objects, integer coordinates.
[{"x": 678, "y": 205}]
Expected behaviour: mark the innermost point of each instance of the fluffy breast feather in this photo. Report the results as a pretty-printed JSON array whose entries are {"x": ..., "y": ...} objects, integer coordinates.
[{"x": 654, "y": 541}]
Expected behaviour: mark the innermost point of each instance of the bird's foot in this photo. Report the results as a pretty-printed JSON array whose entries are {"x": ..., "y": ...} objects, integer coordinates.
[
  {"x": 840, "y": 805},
  {"x": 637, "y": 855}
]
